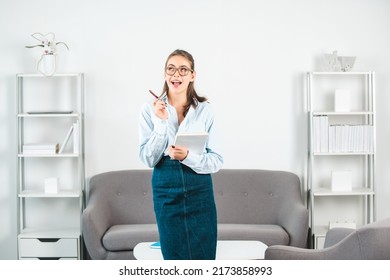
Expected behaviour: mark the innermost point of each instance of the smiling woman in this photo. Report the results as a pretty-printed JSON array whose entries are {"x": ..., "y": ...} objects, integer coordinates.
[
  {"x": 182, "y": 186},
  {"x": 183, "y": 63}
]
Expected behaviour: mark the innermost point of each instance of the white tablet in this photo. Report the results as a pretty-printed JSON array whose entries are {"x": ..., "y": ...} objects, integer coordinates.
[{"x": 195, "y": 142}]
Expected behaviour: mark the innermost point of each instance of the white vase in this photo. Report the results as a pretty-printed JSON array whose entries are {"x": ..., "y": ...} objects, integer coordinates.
[{"x": 47, "y": 64}]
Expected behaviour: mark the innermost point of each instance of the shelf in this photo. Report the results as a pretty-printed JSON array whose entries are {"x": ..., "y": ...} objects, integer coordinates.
[
  {"x": 340, "y": 141},
  {"x": 25, "y": 75},
  {"x": 332, "y": 113},
  {"x": 345, "y": 154},
  {"x": 342, "y": 73},
  {"x": 50, "y": 233},
  {"x": 42, "y": 194},
  {"x": 64, "y": 155},
  {"x": 51, "y": 115},
  {"x": 354, "y": 192},
  {"x": 44, "y": 216}
]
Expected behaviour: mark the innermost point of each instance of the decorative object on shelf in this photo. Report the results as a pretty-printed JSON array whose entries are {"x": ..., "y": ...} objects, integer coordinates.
[
  {"x": 342, "y": 100},
  {"x": 335, "y": 63},
  {"x": 51, "y": 185},
  {"x": 47, "y": 63},
  {"x": 331, "y": 63},
  {"x": 346, "y": 62},
  {"x": 342, "y": 180}
]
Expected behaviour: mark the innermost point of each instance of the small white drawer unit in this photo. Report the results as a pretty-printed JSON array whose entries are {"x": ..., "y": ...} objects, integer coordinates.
[{"x": 49, "y": 248}]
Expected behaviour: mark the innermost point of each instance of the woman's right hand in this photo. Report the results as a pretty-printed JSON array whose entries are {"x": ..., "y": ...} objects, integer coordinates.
[{"x": 160, "y": 109}]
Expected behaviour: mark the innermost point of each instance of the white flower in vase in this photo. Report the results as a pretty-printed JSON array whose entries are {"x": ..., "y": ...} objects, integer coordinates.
[{"x": 47, "y": 63}]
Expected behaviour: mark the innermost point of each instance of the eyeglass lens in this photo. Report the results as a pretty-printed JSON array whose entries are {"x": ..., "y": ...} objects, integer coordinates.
[{"x": 171, "y": 70}]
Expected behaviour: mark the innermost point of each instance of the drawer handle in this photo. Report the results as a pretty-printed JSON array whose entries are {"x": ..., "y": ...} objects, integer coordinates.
[
  {"x": 48, "y": 259},
  {"x": 52, "y": 240}
]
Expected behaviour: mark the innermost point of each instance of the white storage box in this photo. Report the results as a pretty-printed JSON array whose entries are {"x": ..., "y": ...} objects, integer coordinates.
[{"x": 341, "y": 180}]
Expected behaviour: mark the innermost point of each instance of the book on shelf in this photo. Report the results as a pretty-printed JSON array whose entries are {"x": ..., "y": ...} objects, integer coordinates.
[
  {"x": 341, "y": 138},
  {"x": 66, "y": 139},
  {"x": 40, "y": 148},
  {"x": 351, "y": 138},
  {"x": 320, "y": 134},
  {"x": 74, "y": 129},
  {"x": 76, "y": 137}
]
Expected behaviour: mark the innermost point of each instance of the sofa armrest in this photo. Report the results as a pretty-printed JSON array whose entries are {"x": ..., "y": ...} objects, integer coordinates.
[
  {"x": 294, "y": 218},
  {"x": 348, "y": 248},
  {"x": 282, "y": 252},
  {"x": 335, "y": 235},
  {"x": 95, "y": 222}
]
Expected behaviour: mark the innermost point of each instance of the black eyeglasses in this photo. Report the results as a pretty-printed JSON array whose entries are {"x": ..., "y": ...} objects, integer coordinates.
[{"x": 183, "y": 70}]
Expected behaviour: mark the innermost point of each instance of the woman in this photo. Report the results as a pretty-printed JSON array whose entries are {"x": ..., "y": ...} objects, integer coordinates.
[{"x": 182, "y": 186}]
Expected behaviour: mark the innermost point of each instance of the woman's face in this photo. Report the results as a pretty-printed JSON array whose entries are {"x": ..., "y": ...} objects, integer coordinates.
[{"x": 178, "y": 74}]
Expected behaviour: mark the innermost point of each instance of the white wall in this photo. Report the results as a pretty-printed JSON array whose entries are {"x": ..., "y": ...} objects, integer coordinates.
[{"x": 250, "y": 58}]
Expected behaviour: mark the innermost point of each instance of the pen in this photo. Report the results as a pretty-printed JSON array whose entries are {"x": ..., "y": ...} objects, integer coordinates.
[{"x": 153, "y": 94}]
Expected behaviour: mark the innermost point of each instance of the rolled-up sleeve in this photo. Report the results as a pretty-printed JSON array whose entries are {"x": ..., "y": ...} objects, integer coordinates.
[
  {"x": 152, "y": 136},
  {"x": 209, "y": 162}
]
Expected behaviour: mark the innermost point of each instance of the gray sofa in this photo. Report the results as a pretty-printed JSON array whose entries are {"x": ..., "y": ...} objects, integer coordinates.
[
  {"x": 370, "y": 242},
  {"x": 259, "y": 205}
]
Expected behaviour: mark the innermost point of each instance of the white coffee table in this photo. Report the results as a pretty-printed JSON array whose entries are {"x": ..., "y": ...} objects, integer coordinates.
[{"x": 226, "y": 250}]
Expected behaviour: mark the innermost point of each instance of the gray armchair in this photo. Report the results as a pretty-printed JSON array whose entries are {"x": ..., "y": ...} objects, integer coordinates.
[{"x": 370, "y": 242}]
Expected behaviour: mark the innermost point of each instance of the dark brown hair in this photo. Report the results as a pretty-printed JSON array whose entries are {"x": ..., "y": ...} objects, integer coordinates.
[{"x": 192, "y": 97}]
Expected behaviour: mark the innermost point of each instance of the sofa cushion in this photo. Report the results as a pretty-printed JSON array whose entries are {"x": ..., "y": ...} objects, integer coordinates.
[
  {"x": 268, "y": 234},
  {"x": 125, "y": 237}
]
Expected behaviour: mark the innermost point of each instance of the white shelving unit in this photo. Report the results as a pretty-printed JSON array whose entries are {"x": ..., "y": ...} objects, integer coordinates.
[
  {"x": 50, "y": 223},
  {"x": 348, "y": 206}
]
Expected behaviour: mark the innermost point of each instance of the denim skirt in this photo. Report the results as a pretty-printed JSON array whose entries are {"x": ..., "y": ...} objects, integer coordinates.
[{"x": 185, "y": 211}]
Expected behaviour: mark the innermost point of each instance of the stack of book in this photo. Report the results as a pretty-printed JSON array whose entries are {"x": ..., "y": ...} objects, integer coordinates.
[
  {"x": 341, "y": 138},
  {"x": 321, "y": 134},
  {"x": 40, "y": 149},
  {"x": 351, "y": 138}
]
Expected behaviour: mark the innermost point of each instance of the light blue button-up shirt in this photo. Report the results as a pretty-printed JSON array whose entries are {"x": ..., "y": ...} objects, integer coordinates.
[{"x": 155, "y": 135}]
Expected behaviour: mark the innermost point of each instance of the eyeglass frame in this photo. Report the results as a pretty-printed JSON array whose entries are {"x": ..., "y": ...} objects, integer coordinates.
[{"x": 177, "y": 69}]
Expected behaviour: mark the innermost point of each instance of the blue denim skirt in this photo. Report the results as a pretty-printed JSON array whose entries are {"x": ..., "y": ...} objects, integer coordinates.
[{"x": 185, "y": 211}]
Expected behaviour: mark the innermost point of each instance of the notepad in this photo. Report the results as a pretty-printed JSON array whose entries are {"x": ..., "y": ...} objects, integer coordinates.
[{"x": 195, "y": 142}]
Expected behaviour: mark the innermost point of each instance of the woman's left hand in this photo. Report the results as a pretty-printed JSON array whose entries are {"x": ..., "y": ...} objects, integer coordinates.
[{"x": 178, "y": 152}]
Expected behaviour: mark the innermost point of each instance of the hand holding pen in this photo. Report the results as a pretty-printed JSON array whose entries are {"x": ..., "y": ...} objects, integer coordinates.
[{"x": 159, "y": 107}]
